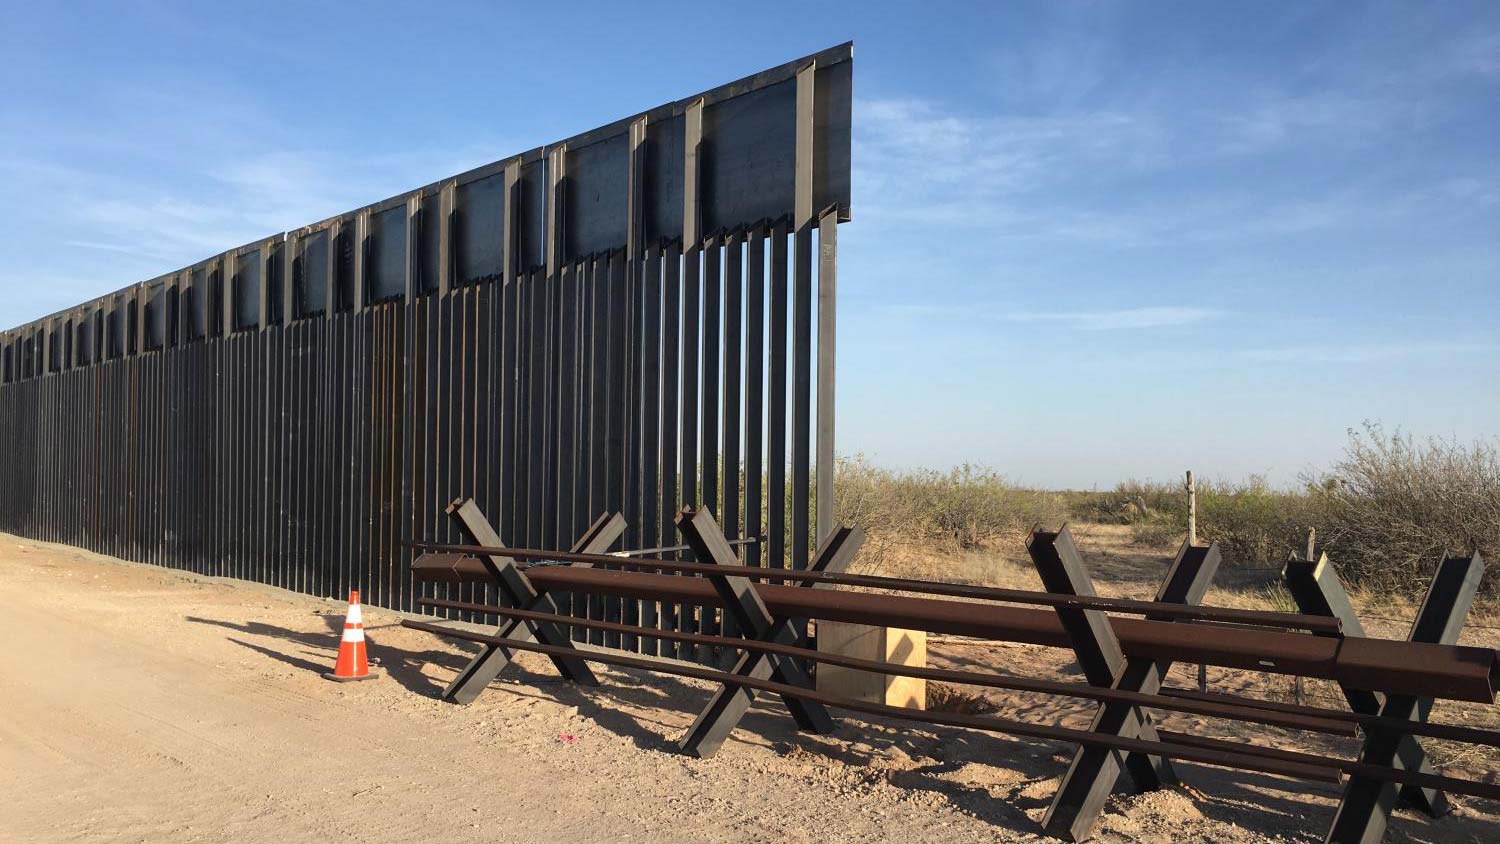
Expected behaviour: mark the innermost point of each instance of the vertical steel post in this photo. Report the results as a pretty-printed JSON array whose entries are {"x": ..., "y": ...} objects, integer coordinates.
[
  {"x": 827, "y": 346},
  {"x": 802, "y": 300},
  {"x": 1364, "y": 810},
  {"x": 1093, "y": 773}
]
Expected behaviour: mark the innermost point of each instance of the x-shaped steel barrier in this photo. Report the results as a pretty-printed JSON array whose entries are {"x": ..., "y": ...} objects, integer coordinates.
[
  {"x": 739, "y": 595},
  {"x": 1365, "y": 808},
  {"x": 742, "y": 602},
  {"x": 516, "y": 590},
  {"x": 1094, "y": 770}
]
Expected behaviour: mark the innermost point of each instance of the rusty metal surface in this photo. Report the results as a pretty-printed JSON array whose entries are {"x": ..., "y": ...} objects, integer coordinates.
[
  {"x": 1366, "y": 721},
  {"x": 455, "y": 569},
  {"x": 1204, "y": 751},
  {"x": 1458, "y": 673},
  {"x": 1213, "y": 706}
]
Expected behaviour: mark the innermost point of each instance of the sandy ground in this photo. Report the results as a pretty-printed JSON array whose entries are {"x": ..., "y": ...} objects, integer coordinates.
[{"x": 144, "y": 705}]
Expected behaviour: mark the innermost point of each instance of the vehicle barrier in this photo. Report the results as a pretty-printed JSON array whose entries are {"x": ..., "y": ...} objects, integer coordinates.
[{"x": 1124, "y": 660}]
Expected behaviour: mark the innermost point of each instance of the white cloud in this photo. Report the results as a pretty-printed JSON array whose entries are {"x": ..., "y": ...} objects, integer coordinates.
[
  {"x": 1125, "y": 318},
  {"x": 1080, "y": 320},
  {"x": 908, "y": 143},
  {"x": 1363, "y": 353},
  {"x": 109, "y": 226},
  {"x": 1276, "y": 120},
  {"x": 1093, "y": 177}
]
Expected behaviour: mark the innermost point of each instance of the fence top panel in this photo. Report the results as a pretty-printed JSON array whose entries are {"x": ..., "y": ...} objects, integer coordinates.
[{"x": 746, "y": 158}]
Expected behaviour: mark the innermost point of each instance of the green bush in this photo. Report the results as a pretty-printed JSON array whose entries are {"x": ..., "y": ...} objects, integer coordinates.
[
  {"x": 1254, "y": 524},
  {"x": 1129, "y": 503},
  {"x": 968, "y": 505},
  {"x": 1393, "y": 505},
  {"x": 1156, "y": 533},
  {"x": 1385, "y": 513}
]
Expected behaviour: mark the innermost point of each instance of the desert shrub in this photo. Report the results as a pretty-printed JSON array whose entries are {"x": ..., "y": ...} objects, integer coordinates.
[
  {"x": 1129, "y": 503},
  {"x": 1393, "y": 505},
  {"x": 967, "y": 506},
  {"x": 1254, "y": 524},
  {"x": 1385, "y": 512}
]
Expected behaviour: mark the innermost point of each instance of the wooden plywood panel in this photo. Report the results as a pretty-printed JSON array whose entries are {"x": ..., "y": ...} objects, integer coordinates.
[{"x": 882, "y": 644}]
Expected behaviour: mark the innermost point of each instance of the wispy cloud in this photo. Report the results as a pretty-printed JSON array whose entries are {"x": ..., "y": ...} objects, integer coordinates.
[
  {"x": 1126, "y": 318},
  {"x": 1363, "y": 353},
  {"x": 111, "y": 224},
  {"x": 1112, "y": 176},
  {"x": 1080, "y": 320},
  {"x": 1274, "y": 120},
  {"x": 915, "y": 160}
]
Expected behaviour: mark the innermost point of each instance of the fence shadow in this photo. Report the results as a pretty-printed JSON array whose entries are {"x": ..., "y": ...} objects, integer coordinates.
[
  {"x": 405, "y": 667},
  {"x": 652, "y": 710}
]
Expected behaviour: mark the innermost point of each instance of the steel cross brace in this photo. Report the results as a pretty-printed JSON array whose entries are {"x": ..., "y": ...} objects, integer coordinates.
[
  {"x": 1365, "y": 809},
  {"x": 744, "y": 605},
  {"x": 1094, "y": 771},
  {"x": 516, "y": 590}
]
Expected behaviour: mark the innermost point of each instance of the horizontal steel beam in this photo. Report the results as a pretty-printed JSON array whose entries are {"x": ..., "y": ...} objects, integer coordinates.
[
  {"x": 1365, "y": 721},
  {"x": 1299, "y": 766},
  {"x": 457, "y": 568},
  {"x": 1451, "y": 672},
  {"x": 1219, "y": 706}
]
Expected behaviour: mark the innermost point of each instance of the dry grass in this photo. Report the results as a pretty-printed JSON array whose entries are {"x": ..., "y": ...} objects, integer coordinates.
[
  {"x": 1393, "y": 506},
  {"x": 966, "y": 508},
  {"x": 942, "y": 697},
  {"x": 1384, "y": 513},
  {"x": 1122, "y": 567}
]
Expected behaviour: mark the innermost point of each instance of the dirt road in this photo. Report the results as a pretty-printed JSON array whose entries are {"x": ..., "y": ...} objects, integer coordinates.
[{"x": 143, "y": 705}]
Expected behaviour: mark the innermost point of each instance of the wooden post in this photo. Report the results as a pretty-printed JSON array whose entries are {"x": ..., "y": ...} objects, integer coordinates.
[{"x": 1192, "y": 493}]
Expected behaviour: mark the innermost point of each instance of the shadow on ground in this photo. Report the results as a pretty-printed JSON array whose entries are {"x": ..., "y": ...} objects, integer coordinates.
[{"x": 905, "y": 755}]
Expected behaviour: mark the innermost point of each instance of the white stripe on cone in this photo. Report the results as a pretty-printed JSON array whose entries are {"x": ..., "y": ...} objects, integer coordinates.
[{"x": 352, "y": 663}]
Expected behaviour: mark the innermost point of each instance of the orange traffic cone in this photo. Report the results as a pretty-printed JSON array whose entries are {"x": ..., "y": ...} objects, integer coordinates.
[{"x": 352, "y": 663}]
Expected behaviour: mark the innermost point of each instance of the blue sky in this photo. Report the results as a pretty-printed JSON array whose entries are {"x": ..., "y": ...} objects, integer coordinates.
[{"x": 1092, "y": 241}]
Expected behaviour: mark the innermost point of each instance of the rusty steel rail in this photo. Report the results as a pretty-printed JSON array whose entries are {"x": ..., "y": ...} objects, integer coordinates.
[
  {"x": 1367, "y": 722},
  {"x": 1217, "y": 706},
  {"x": 667, "y": 549},
  {"x": 1440, "y": 671},
  {"x": 1303, "y": 766},
  {"x": 463, "y": 571}
]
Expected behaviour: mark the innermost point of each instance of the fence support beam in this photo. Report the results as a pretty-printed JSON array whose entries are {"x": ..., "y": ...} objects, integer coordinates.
[
  {"x": 1316, "y": 588},
  {"x": 1365, "y": 808},
  {"x": 729, "y": 703},
  {"x": 1094, "y": 770},
  {"x": 516, "y": 591}
]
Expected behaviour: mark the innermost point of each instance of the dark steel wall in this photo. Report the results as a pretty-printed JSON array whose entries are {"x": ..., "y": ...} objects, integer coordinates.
[{"x": 630, "y": 320}]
